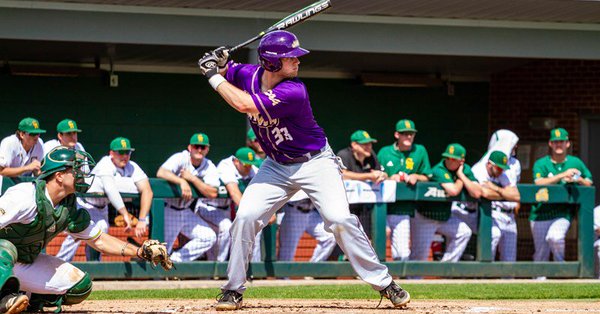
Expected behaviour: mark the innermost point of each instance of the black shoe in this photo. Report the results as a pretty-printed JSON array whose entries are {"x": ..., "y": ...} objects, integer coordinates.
[
  {"x": 14, "y": 303},
  {"x": 398, "y": 296},
  {"x": 229, "y": 300}
]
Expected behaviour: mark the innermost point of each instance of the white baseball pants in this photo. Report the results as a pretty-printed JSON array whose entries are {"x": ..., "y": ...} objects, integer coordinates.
[
  {"x": 201, "y": 235},
  {"x": 549, "y": 236},
  {"x": 423, "y": 229},
  {"x": 504, "y": 235},
  {"x": 400, "y": 226}
]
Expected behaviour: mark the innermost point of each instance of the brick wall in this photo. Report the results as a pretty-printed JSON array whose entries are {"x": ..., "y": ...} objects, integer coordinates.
[{"x": 564, "y": 90}]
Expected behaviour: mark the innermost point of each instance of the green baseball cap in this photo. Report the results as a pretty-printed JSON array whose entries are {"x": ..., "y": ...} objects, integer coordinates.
[
  {"x": 455, "y": 151},
  {"x": 559, "y": 134},
  {"x": 499, "y": 159},
  {"x": 199, "y": 139},
  {"x": 247, "y": 156},
  {"x": 362, "y": 137},
  {"x": 121, "y": 144},
  {"x": 405, "y": 125},
  {"x": 67, "y": 125},
  {"x": 250, "y": 135},
  {"x": 30, "y": 125}
]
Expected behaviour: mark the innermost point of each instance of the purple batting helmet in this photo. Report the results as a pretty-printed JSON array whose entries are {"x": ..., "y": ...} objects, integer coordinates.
[{"x": 276, "y": 45}]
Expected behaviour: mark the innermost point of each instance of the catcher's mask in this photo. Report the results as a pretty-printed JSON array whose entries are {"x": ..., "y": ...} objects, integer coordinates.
[{"x": 62, "y": 158}]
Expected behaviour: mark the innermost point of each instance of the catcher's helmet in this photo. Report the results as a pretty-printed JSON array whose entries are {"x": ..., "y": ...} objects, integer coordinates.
[
  {"x": 276, "y": 45},
  {"x": 62, "y": 158}
]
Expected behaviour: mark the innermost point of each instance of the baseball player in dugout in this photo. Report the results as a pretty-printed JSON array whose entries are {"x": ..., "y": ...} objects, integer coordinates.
[
  {"x": 114, "y": 173},
  {"x": 403, "y": 161},
  {"x": 453, "y": 175},
  {"x": 33, "y": 213},
  {"x": 361, "y": 164},
  {"x": 252, "y": 142},
  {"x": 276, "y": 103},
  {"x": 550, "y": 222},
  {"x": 235, "y": 172},
  {"x": 21, "y": 154},
  {"x": 498, "y": 187},
  {"x": 67, "y": 135},
  {"x": 188, "y": 168}
]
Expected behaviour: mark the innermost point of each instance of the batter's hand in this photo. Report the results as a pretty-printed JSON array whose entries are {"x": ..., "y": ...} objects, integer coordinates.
[
  {"x": 208, "y": 65},
  {"x": 222, "y": 54}
]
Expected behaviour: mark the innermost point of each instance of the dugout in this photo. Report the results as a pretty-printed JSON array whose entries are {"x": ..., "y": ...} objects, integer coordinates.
[{"x": 459, "y": 69}]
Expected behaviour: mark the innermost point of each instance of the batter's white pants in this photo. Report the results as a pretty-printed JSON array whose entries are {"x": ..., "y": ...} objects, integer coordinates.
[
  {"x": 400, "y": 227},
  {"x": 294, "y": 223},
  {"x": 201, "y": 235},
  {"x": 423, "y": 229},
  {"x": 504, "y": 235},
  {"x": 69, "y": 246},
  {"x": 549, "y": 235},
  {"x": 220, "y": 221},
  {"x": 320, "y": 178},
  {"x": 47, "y": 275}
]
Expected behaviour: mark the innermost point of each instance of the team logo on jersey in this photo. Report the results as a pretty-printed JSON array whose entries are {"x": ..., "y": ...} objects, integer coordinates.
[
  {"x": 262, "y": 122},
  {"x": 410, "y": 163},
  {"x": 447, "y": 176},
  {"x": 35, "y": 124},
  {"x": 389, "y": 164},
  {"x": 123, "y": 144},
  {"x": 71, "y": 125},
  {"x": 2, "y": 211},
  {"x": 272, "y": 97},
  {"x": 542, "y": 195},
  {"x": 538, "y": 175},
  {"x": 52, "y": 228}
]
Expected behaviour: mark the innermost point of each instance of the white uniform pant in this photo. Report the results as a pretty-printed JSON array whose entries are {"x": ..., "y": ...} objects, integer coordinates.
[
  {"x": 201, "y": 235},
  {"x": 400, "y": 227},
  {"x": 423, "y": 229},
  {"x": 320, "y": 178},
  {"x": 47, "y": 275},
  {"x": 220, "y": 221},
  {"x": 549, "y": 236},
  {"x": 294, "y": 223},
  {"x": 504, "y": 235},
  {"x": 471, "y": 218},
  {"x": 597, "y": 256},
  {"x": 69, "y": 246}
]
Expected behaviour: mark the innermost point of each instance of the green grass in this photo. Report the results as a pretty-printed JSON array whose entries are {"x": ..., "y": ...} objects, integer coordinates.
[{"x": 425, "y": 291}]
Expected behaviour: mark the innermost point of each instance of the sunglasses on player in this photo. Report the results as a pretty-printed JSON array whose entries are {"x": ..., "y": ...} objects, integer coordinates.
[{"x": 199, "y": 146}]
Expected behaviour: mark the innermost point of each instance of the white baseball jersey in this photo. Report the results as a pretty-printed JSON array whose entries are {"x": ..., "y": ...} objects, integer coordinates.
[
  {"x": 49, "y": 145},
  {"x": 481, "y": 174},
  {"x": 12, "y": 153},
  {"x": 228, "y": 173},
  {"x": 18, "y": 206},
  {"x": 206, "y": 171}
]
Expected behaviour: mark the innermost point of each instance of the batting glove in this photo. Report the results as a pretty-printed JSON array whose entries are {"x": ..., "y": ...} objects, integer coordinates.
[
  {"x": 222, "y": 54},
  {"x": 208, "y": 65}
]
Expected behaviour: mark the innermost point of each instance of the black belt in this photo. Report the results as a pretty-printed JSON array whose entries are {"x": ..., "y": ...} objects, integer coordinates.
[
  {"x": 303, "y": 158},
  {"x": 302, "y": 209},
  {"x": 192, "y": 205},
  {"x": 225, "y": 207},
  {"x": 506, "y": 211}
]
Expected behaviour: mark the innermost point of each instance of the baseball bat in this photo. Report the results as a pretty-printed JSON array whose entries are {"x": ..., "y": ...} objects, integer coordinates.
[{"x": 289, "y": 21}]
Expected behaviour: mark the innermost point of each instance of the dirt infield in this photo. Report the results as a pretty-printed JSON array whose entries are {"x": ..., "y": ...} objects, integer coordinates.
[{"x": 339, "y": 306}]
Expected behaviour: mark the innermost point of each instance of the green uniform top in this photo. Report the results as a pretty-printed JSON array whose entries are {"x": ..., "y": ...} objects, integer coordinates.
[
  {"x": 411, "y": 161},
  {"x": 439, "y": 173},
  {"x": 544, "y": 168}
]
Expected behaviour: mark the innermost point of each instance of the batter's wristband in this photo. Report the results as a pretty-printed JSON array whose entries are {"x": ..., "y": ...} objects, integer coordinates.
[{"x": 216, "y": 80}]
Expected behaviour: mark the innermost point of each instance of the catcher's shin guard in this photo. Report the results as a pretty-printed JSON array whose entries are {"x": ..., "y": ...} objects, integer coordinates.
[
  {"x": 77, "y": 294},
  {"x": 8, "y": 257}
]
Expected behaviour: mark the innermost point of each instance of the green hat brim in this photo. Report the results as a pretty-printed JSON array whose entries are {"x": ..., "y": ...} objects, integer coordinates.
[
  {"x": 70, "y": 130},
  {"x": 452, "y": 156},
  {"x": 407, "y": 130},
  {"x": 36, "y": 131},
  {"x": 366, "y": 140},
  {"x": 503, "y": 167},
  {"x": 559, "y": 139}
]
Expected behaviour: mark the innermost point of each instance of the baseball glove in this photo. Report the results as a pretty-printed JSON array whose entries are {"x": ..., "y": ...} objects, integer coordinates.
[
  {"x": 156, "y": 253},
  {"x": 120, "y": 220}
]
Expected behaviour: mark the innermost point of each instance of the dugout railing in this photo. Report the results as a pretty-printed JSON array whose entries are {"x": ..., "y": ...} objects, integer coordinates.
[{"x": 484, "y": 265}]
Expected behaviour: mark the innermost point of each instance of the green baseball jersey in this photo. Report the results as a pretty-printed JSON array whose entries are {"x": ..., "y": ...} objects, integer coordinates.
[
  {"x": 544, "y": 168},
  {"x": 411, "y": 161},
  {"x": 439, "y": 173}
]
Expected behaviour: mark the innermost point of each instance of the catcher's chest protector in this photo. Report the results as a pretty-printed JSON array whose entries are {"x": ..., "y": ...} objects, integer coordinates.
[{"x": 31, "y": 238}]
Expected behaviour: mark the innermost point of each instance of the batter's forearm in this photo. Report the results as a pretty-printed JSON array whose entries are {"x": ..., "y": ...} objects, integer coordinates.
[{"x": 236, "y": 98}]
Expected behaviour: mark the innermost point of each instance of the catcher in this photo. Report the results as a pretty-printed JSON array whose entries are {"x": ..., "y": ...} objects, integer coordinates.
[{"x": 31, "y": 215}]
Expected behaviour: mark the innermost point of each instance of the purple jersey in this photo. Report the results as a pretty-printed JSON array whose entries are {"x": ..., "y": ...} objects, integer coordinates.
[{"x": 285, "y": 126}]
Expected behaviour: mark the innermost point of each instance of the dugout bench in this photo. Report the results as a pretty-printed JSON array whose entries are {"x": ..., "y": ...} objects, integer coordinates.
[{"x": 482, "y": 267}]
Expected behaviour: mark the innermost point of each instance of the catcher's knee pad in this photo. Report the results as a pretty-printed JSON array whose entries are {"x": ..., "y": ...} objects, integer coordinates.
[
  {"x": 8, "y": 257},
  {"x": 80, "y": 291}
]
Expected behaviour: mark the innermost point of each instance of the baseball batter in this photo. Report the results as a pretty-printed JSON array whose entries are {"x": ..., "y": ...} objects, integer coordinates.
[
  {"x": 33, "y": 213},
  {"x": 550, "y": 222},
  {"x": 114, "y": 173},
  {"x": 597, "y": 242},
  {"x": 406, "y": 162},
  {"x": 235, "y": 172},
  {"x": 184, "y": 168},
  {"x": 298, "y": 158},
  {"x": 431, "y": 217},
  {"x": 21, "y": 153},
  {"x": 498, "y": 186}
]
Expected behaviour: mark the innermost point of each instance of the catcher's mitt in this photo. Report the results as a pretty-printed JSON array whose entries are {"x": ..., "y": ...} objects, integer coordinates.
[
  {"x": 156, "y": 253},
  {"x": 120, "y": 220}
]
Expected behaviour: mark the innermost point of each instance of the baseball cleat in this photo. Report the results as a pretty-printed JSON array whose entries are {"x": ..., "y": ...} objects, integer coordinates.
[
  {"x": 399, "y": 297},
  {"x": 14, "y": 303},
  {"x": 229, "y": 300}
]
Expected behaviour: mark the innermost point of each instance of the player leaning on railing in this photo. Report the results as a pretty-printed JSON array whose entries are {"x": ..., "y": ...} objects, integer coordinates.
[{"x": 31, "y": 215}]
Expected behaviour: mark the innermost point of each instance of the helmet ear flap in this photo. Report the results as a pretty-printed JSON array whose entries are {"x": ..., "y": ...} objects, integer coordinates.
[{"x": 270, "y": 65}]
